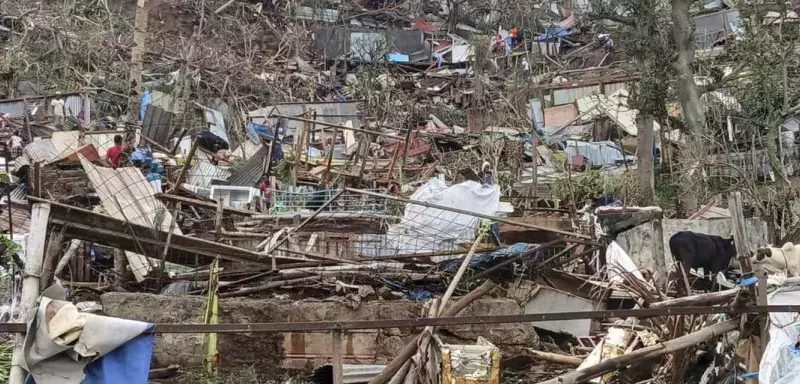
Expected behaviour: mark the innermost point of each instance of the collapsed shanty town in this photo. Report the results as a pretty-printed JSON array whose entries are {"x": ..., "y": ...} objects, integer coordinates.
[{"x": 399, "y": 191}]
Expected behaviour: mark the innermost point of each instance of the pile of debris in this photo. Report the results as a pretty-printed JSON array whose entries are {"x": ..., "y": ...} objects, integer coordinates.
[{"x": 388, "y": 171}]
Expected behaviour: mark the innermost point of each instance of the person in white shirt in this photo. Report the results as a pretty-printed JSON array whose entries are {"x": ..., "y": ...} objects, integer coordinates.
[
  {"x": 16, "y": 145},
  {"x": 58, "y": 110}
]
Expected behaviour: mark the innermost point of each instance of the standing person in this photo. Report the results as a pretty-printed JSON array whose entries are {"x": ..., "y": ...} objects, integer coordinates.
[
  {"x": 16, "y": 145},
  {"x": 486, "y": 174},
  {"x": 512, "y": 35},
  {"x": 265, "y": 194},
  {"x": 59, "y": 109},
  {"x": 113, "y": 154},
  {"x": 153, "y": 175}
]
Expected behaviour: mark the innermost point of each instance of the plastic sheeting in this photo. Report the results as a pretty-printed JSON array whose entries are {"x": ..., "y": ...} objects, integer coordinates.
[
  {"x": 424, "y": 229},
  {"x": 619, "y": 262},
  {"x": 781, "y": 360},
  {"x": 598, "y": 152},
  {"x": 61, "y": 342}
]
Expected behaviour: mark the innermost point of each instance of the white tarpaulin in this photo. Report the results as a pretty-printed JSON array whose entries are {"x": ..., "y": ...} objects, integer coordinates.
[
  {"x": 781, "y": 361},
  {"x": 424, "y": 229}
]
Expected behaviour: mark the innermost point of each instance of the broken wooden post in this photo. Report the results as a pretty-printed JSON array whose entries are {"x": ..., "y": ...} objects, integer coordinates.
[
  {"x": 53, "y": 248},
  {"x": 646, "y": 353},
  {"x": 411, "y": 348},
  {"x": 34, "y": 253},
  {"x": 74, "y": 245},
  {"x": 555, "y": 357},
  {"x": 338, "y": 372},
  {"x": 184, "y": 169},
  {"x": 704, "y": 299},
  {"x": 163, "y": 266}
]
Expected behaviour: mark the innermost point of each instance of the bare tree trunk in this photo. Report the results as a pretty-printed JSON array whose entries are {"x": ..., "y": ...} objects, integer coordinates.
[
  {"x": 694, "y": 116},
  {"x": 137, "y": 55},
  {"x": 644, "y": 161}
]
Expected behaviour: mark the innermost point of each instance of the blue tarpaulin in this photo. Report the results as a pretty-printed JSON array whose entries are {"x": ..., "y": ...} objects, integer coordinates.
[
  {"x": 554, "y": 32},
  {"x": 129, "y": 363},
  {"x": 480, "y": 260},
  {"x": 397, "y": 58},
  {"x": 256, "y": 131}
]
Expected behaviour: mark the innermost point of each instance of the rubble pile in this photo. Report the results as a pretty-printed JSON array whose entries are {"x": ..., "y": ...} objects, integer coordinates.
[{"x": 447, "y": 191}]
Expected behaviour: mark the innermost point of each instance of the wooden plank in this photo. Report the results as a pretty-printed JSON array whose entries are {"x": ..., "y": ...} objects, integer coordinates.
[
  {"x": 91, "y": 226},
  {"x": 204, "y": 204}
]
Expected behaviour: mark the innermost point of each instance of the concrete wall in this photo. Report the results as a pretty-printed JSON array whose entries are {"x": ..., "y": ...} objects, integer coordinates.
[
  {"x": 638, "y": 241},
  {"x": 302, "y": 350}
]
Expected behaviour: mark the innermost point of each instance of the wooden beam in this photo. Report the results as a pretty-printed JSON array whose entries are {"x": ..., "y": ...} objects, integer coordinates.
[
  {"x": 98, "y": 228},
  {"x": 185, "y": 168},
  {"x": 343, "y": 127},
  {"x": 203, "y": 204}
]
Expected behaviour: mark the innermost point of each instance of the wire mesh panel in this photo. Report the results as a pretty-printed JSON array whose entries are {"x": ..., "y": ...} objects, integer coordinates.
[{"x": 298, "y": 199}]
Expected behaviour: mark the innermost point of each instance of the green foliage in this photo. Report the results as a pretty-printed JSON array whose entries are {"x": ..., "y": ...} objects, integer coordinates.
[
  {"x": 11, "y": 248},
  {"x": 584, "y": 187},
  {"x": 6, "y": 349},
  {"x": 767, "y": 52},
  {"x": 283, "y": 170},
  {"x": 645, "y": 40}
]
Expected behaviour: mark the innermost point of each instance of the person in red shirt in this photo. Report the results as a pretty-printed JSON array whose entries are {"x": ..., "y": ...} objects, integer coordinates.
[
  {"x": 513, "y": 35},
  {"x": 113, "y": 153},
  {"x": 265, "y": 194}
]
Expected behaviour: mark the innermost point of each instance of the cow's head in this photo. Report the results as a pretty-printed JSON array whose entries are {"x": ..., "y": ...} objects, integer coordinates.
[{"x": 763, "y": 252}]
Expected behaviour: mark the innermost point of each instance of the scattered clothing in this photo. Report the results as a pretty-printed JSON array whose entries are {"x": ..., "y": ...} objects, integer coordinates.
[
  {"x": 526, "y": 65},
  {"x": 141, "y": 156},
  {"x": 155, "y": 180}
]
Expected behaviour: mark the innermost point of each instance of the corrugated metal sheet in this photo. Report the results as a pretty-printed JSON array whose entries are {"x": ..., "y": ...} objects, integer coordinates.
[
  {"x": 13, "y": 108},
  {"x": 566, "y": 96},
  {"x": 328, "y": 112},
  {"x": 251, "y": 171},
  {"x": 125, "y": 193},
  {"x": 202, "y": 172},
  {"x": 21, "y": 220},
  {"x": 317, "y": 14},
  {"x": 79, "y": 107},
  {"x": 156, "y": 124},
  {"x": 20, "y": 194},
  {"x": 162, "y": 100},
  {"x": 38, "y": 151}
]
